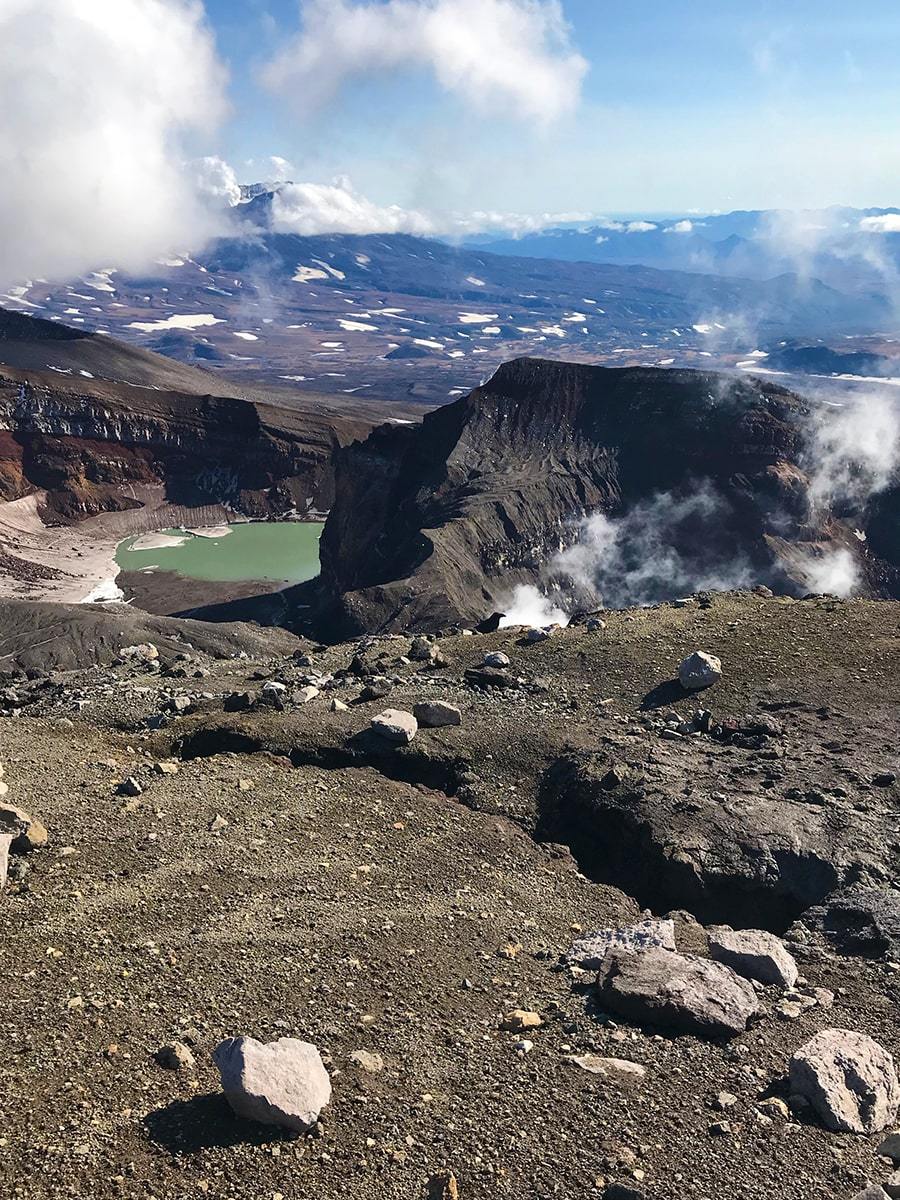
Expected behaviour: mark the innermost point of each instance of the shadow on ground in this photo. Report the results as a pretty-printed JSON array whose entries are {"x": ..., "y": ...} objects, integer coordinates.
[{"x": 205, "y": 1122}]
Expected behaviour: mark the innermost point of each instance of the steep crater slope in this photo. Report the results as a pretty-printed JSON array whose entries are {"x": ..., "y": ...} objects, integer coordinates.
[
  {"x": 435, "y": 525},
  {"x": 95, "y": 426}
]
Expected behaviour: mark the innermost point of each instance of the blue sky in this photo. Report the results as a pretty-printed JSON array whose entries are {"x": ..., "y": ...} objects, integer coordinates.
[{"x": 688, "y": 104}]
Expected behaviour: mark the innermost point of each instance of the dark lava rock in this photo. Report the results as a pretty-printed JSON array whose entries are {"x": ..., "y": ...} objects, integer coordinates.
[{"x": 855, "y": 921}]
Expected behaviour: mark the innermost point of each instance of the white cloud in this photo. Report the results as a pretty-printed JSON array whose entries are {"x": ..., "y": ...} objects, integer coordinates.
[
  {"x": 681, "y": 227},
  {"x": 888, "y": 223},
  {"x": 640, "y": 227},
  {"x": 216, "y": 181},
  {"x": 310, "y": 209},
  {"x": 96, "y": 96},
  {"x": 512, "y": 56}
]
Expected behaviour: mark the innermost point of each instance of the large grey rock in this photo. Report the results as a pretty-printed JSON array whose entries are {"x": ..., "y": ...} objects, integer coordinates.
[
  {"x": 396, "y": 726},
  {"x": 679, "y": 991},
  {"x": 699, "y": 670},
  {"x": 753, "y": 953},
  {"x": 277, "y": 1083},
  {"x": 872, "y": 1192},
  {"x": 435, "y": 714},
  {"x": 589, "y": 951},
  {"x": 849, "y": 1080}
]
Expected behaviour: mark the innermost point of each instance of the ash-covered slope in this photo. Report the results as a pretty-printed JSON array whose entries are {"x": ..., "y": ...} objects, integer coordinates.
[
  {"x": 92, "y": 434},
  {"x": 436, "y": 524}
]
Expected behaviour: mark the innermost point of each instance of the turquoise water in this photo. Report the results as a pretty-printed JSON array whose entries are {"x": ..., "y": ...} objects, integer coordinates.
[{"x": 281, "y": 552}]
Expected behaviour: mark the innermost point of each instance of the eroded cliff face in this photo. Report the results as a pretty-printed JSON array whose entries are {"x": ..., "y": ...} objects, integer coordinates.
[
  {"x": 435, "y": 525},
  {"x": 86, "y": 443}
]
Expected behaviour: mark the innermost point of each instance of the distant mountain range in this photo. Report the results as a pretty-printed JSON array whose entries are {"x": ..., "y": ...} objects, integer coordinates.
[{"x": 402, "y": 317}]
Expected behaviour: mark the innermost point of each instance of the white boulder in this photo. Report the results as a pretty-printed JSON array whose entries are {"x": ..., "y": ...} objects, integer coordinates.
[{"x": 277, "y": 1083}]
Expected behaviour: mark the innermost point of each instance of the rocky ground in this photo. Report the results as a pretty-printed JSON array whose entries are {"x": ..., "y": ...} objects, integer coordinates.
[{"x": 232, "y": 851}]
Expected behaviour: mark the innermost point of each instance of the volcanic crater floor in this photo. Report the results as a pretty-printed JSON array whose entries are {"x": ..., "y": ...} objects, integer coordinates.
[{"x": 296, "y": 877}]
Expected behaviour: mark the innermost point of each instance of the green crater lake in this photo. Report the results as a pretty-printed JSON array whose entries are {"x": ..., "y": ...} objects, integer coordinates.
[{"x": 279, "y": 551}]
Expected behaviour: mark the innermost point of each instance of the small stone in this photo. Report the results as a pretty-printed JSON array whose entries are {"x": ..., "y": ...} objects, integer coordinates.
[
  {"x": 305, "y": 694},
  {"x": 523, "y": 1046},
  {"x": 884, "y": 779},
  {"x": 436, "y": 714},
  {"x": 145, "y": 652},
  {"x": 540, "y": 635},
  {"x": 774, "y": 1106},
  {"x": 130, "y": 787},
  {"x": 520, "y": 1019},
  {"x": 872, "y": 1192},
  {"x": 699, "y": 670},
  {"x": 175, "y": 1057},
  {"x": 719, "y": 1129},
  {"x": 496, "y": 658},
  {"x": 5, "y": 843},
  {"x": 396, "y": 726},
  {"x": 339, "y": 706},
  {"x": 366, "y": 1061},
  {"x": 166, "y": 767},
  {"x": 246, "y": 785},
  {"x": 28, "y": 832},
  {"x": 277, "y": 1083},
  {"x": 611, "y": 1067},
  {"x": 725, "y": 1100},
  {"x": 218, "y": 823},
  {"x": 892, "y": 1185},
  {"x": 443, "y": 1186}
]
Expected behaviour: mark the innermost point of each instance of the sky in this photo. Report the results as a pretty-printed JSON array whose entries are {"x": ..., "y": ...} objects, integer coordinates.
[
  {"x": 128, "y": 124},
  {"x": 685, "y": 105}
]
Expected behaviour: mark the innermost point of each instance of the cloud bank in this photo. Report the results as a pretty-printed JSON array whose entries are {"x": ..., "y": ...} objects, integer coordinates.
[
  {"x": 507, "y": 56},
  {"x": 313, "y": 209},
  {"x": 97, "y": 98}
]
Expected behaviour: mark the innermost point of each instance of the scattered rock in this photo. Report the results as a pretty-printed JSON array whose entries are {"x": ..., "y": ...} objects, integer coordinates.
[
  {"x": 540, "y": 635},
  {"x": 339, "y": 706},
  {"x": 166, "y": 767},
  {"x": 519, "y": 1019},
  {"x": 774, "y": 1106},
  {"x": 146, "y": 652},
  {"x": 496, "y": 658},
  {"x": 277, "y": 1083},
  {"x": 366, "y": 1061},
  {"x": 682, "y": 992},
  {"x": 849, "y": 1080},
  {"x": 6, "y": 840},
  {"x": 589, "y": 951},
  {"x": 218, "y": 823},
  {"x": 305, "y": 694},
  {"x": 28, "y": 832},
  {"x": 753, "y": 953},
  {"x": 892, "y": 1185},
  {"x": 890, "y": 1147},
  {"x": 620, "y": 1067},
  {"x": 396, "y": 726},
  {"x": 872, "y": 1192},
  {"x": 442, "y": 1186},
  {"x": 435, "y": 714},
  {"x": 175, "y": 1057},
  {"x": 130, "y": 787},
  {"x": 699, "y": 670}
]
